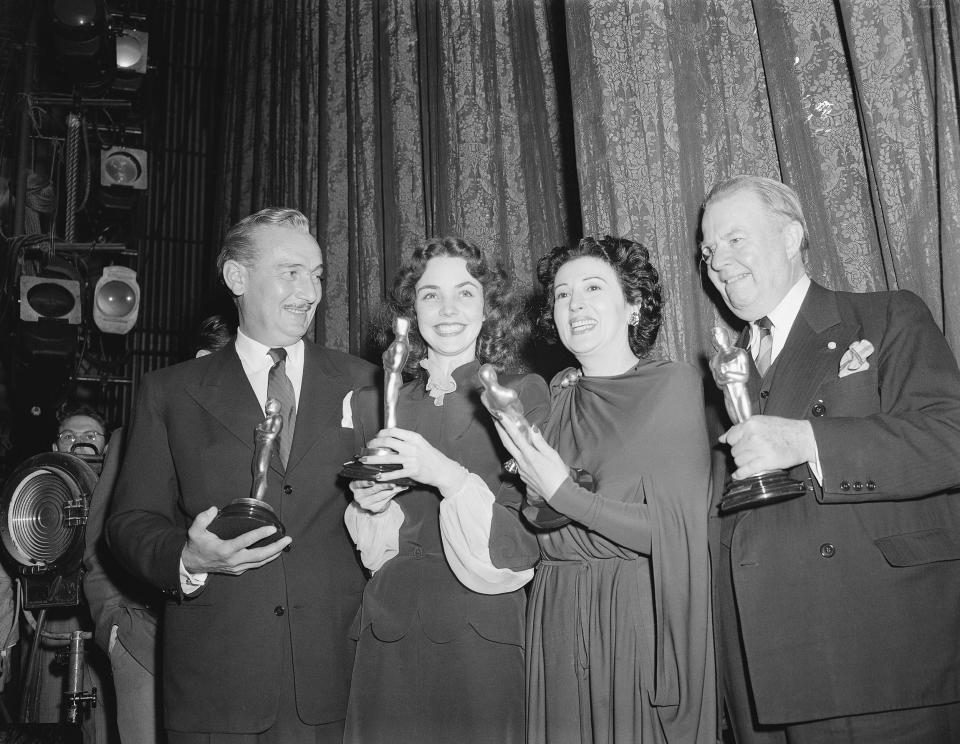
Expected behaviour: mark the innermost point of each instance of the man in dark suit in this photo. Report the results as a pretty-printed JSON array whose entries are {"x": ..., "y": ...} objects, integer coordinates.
[
  {"x": 838, "y": 611},
  {"x": 123, "y": 608},
  {"x": 255, "y": 637}
]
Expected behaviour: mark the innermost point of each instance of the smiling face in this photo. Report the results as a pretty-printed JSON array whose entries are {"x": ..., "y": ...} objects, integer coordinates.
[
  {"x": 752, "y": 256},
  {"x": 277, "y": 295},
  {"x": 592, "y": 315},
  {"x": 449, "y": 308}
]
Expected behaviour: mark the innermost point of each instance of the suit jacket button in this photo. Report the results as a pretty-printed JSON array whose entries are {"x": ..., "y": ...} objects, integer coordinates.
[
  {"x": 818, "y": 409},
  {"x": 844, "y": 485},
  {"x": 871, "y": 486},
  {"x": 764, "y": 394},
  {"x": 288, "y": 489},
  {"x": 858, "y": 486},
  {"x": 827, "y": 550},
  {"x": 279, "y": 610}
]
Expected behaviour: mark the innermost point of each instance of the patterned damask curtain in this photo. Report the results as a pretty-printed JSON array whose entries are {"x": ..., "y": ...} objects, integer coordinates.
[
  {"x": 853, "y": 103},
  {"x": 387, "y": 123},
  {"x": 522, "y": 124}
]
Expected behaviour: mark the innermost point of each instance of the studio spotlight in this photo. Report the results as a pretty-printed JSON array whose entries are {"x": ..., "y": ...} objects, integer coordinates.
[
  {"x": 116, "y": 300},
  {"x": 132, "y": 50},
  {"x": 124, "y": 167},
  {"x": 47, "y": 298},
  {"x": 132, "y": 46},
  {"x": 84, "y": 47},
  {"x": 50, "y": 317},
  {"x": 43, "y": 514}
]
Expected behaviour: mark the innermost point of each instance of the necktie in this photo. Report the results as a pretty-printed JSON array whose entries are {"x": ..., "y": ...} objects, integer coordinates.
[
  {"x": 280, "y": 388},
  {"x": 764, "y": 345}
]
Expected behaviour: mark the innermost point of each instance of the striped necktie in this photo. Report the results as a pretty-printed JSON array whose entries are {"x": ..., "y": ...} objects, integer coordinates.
[
  {"x": 280, "y": 388},
  {"x": 764, "y": 345}
]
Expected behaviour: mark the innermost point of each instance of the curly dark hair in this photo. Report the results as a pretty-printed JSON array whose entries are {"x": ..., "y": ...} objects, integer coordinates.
[
  {"x": 638, "y": 278},
  {"x": 503, "y": 328}
]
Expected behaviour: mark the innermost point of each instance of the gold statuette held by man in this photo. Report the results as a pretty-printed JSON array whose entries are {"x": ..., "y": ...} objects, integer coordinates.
[
  {"x": 730, "y": 367},
  {"x": 394, "y": 359},
  {"x": 245, "y": 514}
]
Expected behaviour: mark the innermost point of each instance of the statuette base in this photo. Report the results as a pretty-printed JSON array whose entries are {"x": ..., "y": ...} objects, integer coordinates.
[
  {"x": 244, "y": 515},
  {"x": 764, "y": 488},
  {"x": 356, "y": 469}
]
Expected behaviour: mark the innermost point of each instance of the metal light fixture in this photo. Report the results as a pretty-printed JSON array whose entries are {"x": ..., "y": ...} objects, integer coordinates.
[
  {"x": 116, "y": 300},
  {"x": 81, "y": 40},
  {"x": 132, "y": 48},
  {"x": 43, "y": 514},
  {"x": 49, "y": 298},
  {"x": 124, "y": 166}
]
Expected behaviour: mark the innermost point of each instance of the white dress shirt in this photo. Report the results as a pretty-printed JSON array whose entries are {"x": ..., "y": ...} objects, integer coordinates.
[
  {"x": 256, "y": 362},
  {"x": 782, "y": 317}
]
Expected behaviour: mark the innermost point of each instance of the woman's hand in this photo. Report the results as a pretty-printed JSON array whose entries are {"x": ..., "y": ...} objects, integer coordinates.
[
  {"x": 372, "y": 496},
  {"x": 540, "y": 466},
  {"x": 420, "y": 460}
]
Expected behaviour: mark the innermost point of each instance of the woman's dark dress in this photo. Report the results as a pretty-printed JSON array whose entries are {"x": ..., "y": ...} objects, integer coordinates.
[
  {"x": 619, "y": 639},
  {"x": 436, "y": 661}
]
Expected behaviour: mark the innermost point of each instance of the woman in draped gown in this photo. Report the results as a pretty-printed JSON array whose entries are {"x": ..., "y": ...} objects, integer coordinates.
[
  {"x": 441, "y": 627},
  {"x": 619, "y": 635}
]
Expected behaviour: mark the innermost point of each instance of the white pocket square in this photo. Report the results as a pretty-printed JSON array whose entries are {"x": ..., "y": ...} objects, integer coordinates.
[{"x": 854, "y": 359}]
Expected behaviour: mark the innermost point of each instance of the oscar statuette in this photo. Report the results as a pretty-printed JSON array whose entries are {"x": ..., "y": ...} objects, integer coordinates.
[
  {"x": 503, "y": 403},
  {"x": 730, "y": 367},
  {"x": 245, "y": 514},
  {"x": 394, "y": 359}
]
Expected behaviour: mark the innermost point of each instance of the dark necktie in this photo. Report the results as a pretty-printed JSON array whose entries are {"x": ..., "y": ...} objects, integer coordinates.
[
  {"x": 764, "y": 345},
  {"x": 280, "y": 389}
]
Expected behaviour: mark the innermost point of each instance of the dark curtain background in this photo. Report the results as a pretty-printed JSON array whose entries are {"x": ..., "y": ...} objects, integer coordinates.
[{"x": 521, "y": 125}]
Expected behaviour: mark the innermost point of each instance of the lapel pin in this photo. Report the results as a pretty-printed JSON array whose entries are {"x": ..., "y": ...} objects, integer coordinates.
[{"x": 831, "y": 345}]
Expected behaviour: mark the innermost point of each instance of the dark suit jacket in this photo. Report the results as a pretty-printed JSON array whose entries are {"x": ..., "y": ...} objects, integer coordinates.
[
  {"x": 190, "y": 447},
  {"x": 113, "y": 595},
  {"x": 849, "y": 596}
]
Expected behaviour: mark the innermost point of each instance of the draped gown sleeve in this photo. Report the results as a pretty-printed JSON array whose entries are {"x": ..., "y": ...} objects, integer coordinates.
[{"x": 685, "y": 688}]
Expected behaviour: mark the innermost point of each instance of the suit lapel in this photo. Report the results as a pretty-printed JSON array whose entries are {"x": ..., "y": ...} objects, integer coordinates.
[
  {"x": 320, "y": 410},
  {"x": 806, "y": 359},
  {"x": 225, "y": 393}
]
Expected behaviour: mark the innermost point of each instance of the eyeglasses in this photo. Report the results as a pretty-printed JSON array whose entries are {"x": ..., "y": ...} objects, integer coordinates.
[{"x": 69, "y": 438}]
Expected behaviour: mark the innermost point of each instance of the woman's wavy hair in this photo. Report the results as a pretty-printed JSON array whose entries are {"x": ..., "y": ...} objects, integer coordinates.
[
  {"x": 639, "y": 281},
  {"x": 503, "y": 328}
]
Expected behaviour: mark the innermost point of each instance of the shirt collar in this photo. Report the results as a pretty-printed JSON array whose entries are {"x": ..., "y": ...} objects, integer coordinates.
[
  {"x": 254, "y": 355},
  {"x": 784, "y": 314}
]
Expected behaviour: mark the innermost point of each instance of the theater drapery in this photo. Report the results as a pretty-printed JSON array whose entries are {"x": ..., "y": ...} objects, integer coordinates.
[{"x": 523, "y": 124}]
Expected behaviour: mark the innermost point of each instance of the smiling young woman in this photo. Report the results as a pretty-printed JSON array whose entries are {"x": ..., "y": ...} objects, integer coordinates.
[{"x": 440, "y": 638}]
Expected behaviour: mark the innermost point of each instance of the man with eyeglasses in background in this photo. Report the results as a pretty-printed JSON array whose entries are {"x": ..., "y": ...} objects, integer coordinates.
[{"x": 82, "y": 431}]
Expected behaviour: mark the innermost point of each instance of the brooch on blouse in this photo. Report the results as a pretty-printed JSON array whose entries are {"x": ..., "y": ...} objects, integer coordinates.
[{"x": 570, "y": 378}]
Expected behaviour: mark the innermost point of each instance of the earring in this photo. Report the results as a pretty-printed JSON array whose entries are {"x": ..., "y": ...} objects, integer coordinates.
[{"x": 635, "y": 318}]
